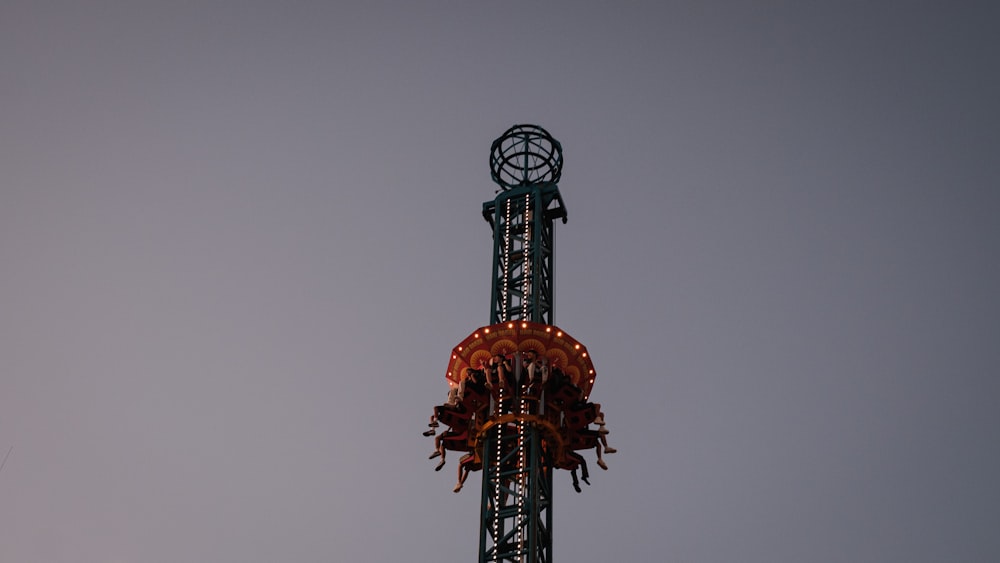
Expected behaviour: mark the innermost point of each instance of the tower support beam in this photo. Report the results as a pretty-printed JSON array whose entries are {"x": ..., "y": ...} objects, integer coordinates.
[{"x": 516, "y": 512}]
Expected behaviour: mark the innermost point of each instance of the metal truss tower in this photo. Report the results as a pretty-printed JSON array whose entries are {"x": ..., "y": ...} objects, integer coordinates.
[
  {"x": 518, "y": 404},
  {"x": 516, "y": 511}
]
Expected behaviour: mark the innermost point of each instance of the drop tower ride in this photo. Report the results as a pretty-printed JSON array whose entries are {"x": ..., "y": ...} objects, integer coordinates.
[{"x": 519, "y": 406}]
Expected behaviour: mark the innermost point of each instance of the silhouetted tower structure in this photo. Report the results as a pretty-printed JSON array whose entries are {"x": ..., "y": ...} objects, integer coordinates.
[
  {"x": 532, "y": 411},
  {"x": 516, "y": 511}
]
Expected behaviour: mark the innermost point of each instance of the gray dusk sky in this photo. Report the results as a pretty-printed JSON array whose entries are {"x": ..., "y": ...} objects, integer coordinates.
[{"x": 238, "y": 240}]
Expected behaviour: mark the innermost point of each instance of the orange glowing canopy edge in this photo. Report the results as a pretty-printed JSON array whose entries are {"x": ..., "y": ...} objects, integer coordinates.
[{"x": 560, "y": 349}]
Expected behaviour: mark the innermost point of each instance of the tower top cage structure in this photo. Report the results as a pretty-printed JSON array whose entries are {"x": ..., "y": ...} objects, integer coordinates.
[{"x": 519, "y": 387}]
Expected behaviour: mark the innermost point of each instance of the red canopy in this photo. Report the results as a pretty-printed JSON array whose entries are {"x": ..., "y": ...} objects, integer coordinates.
[{"x": 561, "y": 350}]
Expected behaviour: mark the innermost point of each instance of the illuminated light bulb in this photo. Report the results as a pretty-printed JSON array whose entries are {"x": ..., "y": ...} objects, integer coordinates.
[
  {"x": 584, "y": 354},
  {"x": 459, "y": 348},
  {"x": 591, "y": 372},
  {"x": 476, "y": 335},
  {"x": 453, "y": 356},
  {"x": 548, "y": 329},
  {"x": 524, "y": 325},
  {"x": 559, "y": 333},
  {"x": 577, "y": 347},
  {"x": 487, "y": 331},
  {"x": 510, "y": 325}
]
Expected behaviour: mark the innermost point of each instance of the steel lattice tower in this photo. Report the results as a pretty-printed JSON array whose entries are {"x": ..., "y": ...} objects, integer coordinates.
[
  {"x": 522, "y": 383},
  {"x": 516, "y": 511}
]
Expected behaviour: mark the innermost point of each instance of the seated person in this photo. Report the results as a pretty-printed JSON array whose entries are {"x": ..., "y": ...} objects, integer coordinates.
[
  {"x": 456, "y": 416},
  {"x": 534, "y": 374},
  {"x": 580, "y": 414},
  {"x": 602, "y": 431},
  {"x": 560, "y": 391},
  {"x": 585, "y": 439},
  {"x": 451, "y": 404},
  {"x": 499, "y": 373},
  {"x": 499, "y": 379},
  {"x": 472, "y": 391},
  {"x": 450, "y": 439},
  {"x": 469, "y": 462},
  {"x": 571, "y": 460}
]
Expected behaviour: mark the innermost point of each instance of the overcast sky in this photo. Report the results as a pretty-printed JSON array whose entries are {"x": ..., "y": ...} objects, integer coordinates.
[{"x": 238, "y": 240}]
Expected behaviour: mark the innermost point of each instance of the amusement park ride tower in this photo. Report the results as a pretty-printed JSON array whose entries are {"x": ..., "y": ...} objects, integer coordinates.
[{"x": 522, "y": 383}]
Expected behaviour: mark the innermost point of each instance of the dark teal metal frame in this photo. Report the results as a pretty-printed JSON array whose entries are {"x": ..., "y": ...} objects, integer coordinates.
[
  {"x": 516, "y": 511},
  {"x": 516, "y": 515},
  {"x": 518, "y": 258}
]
